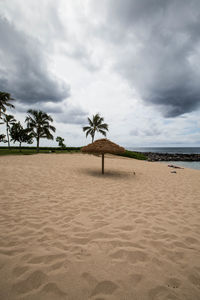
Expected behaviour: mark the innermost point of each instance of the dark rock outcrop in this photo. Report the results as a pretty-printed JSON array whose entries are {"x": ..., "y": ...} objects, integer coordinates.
[{"x": 171, "y": 157}]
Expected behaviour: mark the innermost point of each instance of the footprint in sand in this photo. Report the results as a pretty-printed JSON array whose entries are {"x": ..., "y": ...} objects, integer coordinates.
[
  {"x": 2, "y": 265},
  {"x": 11, "y": 252},
  {"x": 194, "y": 279},
  {"x": 26, "y": 257},
  {"x": 104, "y": 287},
  {"x": 161, "y": 292},
  {"x": 81, "y": 241},
  {"x": 18, "y": 271},
  {"x": 58, "y": 265},
  {"x": 52, "y": 288},
  {"x": 179, "y": 244},
  {"x": 126, "y": 228},
  {"x": 136, "y": 278},
  {"x": 131, "y": 256},
  {"x": 191, "y": 240},
  {"x": 46, "y": 259},
  {"x": 91, "y": 280},
  {"x": 174, "y": 256},
  {"x": 33, "y": 281},
  {"x": 173, "y": 283},
  {"x": 100, "y": 224}
]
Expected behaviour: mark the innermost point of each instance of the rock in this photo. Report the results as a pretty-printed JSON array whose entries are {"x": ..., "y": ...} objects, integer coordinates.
[{"x": 171, "y": 157}]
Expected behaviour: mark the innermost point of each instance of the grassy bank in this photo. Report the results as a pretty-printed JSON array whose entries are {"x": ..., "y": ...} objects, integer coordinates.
[
  {"x": 32, "y": 150},
  {"x": 135, "y": 155}
]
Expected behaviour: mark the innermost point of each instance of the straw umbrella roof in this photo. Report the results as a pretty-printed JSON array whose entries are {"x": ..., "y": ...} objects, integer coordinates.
[{"x": 103, "y": 146}]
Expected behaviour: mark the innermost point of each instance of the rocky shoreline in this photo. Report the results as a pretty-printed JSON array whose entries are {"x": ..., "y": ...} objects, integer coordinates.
[{"x": 171, "y": 157}]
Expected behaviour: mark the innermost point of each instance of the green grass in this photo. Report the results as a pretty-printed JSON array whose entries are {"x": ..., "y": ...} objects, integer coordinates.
[
  {"x": 32, "y": 150},
  {"x": 132, "y": 154},
  {"x": 16, "y": 152},
  {"x": 49, "y": 150}
]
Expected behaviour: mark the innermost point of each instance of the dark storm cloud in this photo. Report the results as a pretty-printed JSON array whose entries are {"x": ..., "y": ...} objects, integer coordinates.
[
  {"x": 157, "y": 47},
  {"x": 24, "y": 69},
  {"x": 48, "y": 108},
  {"x": 72, "y": 115},
  {"x": 61, "y": 112},
  {"x": 68, "y": 118}
]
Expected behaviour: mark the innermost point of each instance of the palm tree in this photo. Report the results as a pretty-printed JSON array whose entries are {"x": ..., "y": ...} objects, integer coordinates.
[
  {"x": 20, "y": 134},
  {"x": 4, "y": 101},
  {"x": 38, "y": 121},
  {"x": 8, "y": 120},
  {"x": 95, "y": 125}
]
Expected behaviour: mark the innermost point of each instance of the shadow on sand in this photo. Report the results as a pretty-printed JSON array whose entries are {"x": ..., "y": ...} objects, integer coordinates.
[{"x": 108, "y": 173}]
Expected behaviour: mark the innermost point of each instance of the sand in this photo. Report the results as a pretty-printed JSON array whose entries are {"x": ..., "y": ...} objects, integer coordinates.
[{"x": 67, "y": 232}]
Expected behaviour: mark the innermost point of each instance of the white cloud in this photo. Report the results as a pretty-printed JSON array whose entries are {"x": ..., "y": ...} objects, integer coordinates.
[{"x": 109, "y": 55}]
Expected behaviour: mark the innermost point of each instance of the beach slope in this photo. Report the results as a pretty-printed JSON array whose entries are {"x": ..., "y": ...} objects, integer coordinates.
[{"x": 69, "y": 232}]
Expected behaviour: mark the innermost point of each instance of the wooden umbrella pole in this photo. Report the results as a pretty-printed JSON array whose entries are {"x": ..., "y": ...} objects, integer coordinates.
[{"x": 102, "y": 163}]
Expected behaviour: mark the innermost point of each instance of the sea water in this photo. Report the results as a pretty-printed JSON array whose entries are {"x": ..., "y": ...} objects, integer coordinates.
[{"x": 180, "y": 150}]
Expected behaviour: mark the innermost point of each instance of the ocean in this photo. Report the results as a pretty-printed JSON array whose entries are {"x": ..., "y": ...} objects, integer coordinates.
[{"x": 182, "y": 150}]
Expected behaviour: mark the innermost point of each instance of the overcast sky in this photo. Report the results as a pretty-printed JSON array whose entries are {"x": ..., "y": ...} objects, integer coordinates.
[{"x": 136, "y": 62}]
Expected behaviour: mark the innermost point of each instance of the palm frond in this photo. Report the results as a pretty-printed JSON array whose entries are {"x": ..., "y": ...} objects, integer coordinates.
[
  {"x": 5, "y": 98},
  {"x": 32, "y": 112},
  {"x": 86, "y": 128},
  {"x": 96, "y": 119},
  {"x": 88, "y": 132},
  {"x": 10, "y": 105},
  {"x": 102, "y": 132},
  {"x": 52, "y": 128},
  {"x": 90, "y": 122},
  {"x": 99, "y": 121},
  {"x": 49, "y": 136},
  {"x": 103, "y": 126}
]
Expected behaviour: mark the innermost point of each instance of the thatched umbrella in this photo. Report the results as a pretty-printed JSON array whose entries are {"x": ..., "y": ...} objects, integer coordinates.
[{"x": 103, "y": 146}]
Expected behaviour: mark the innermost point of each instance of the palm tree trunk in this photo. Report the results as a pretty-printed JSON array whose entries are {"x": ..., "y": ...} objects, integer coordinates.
[
  {"x": 20, "y": 147},
  {"x": 8, "y": 138},
  {"x": 38, "y": 143}
]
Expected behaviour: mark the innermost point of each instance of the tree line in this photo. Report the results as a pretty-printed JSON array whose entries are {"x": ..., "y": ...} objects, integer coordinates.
[{"x": 38, "y": 125}]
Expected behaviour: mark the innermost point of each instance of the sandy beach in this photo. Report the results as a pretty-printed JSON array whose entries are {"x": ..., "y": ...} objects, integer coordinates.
[{"x": 68, "y": 232}]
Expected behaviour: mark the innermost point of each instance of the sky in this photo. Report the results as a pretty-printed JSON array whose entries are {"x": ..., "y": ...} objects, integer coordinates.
[{"x": 136, "y": 63}]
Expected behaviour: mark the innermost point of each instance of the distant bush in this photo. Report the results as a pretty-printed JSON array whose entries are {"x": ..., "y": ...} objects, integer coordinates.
[
  {"x": 132, "y": 154},
  {"x": 60, "y": 141}
]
